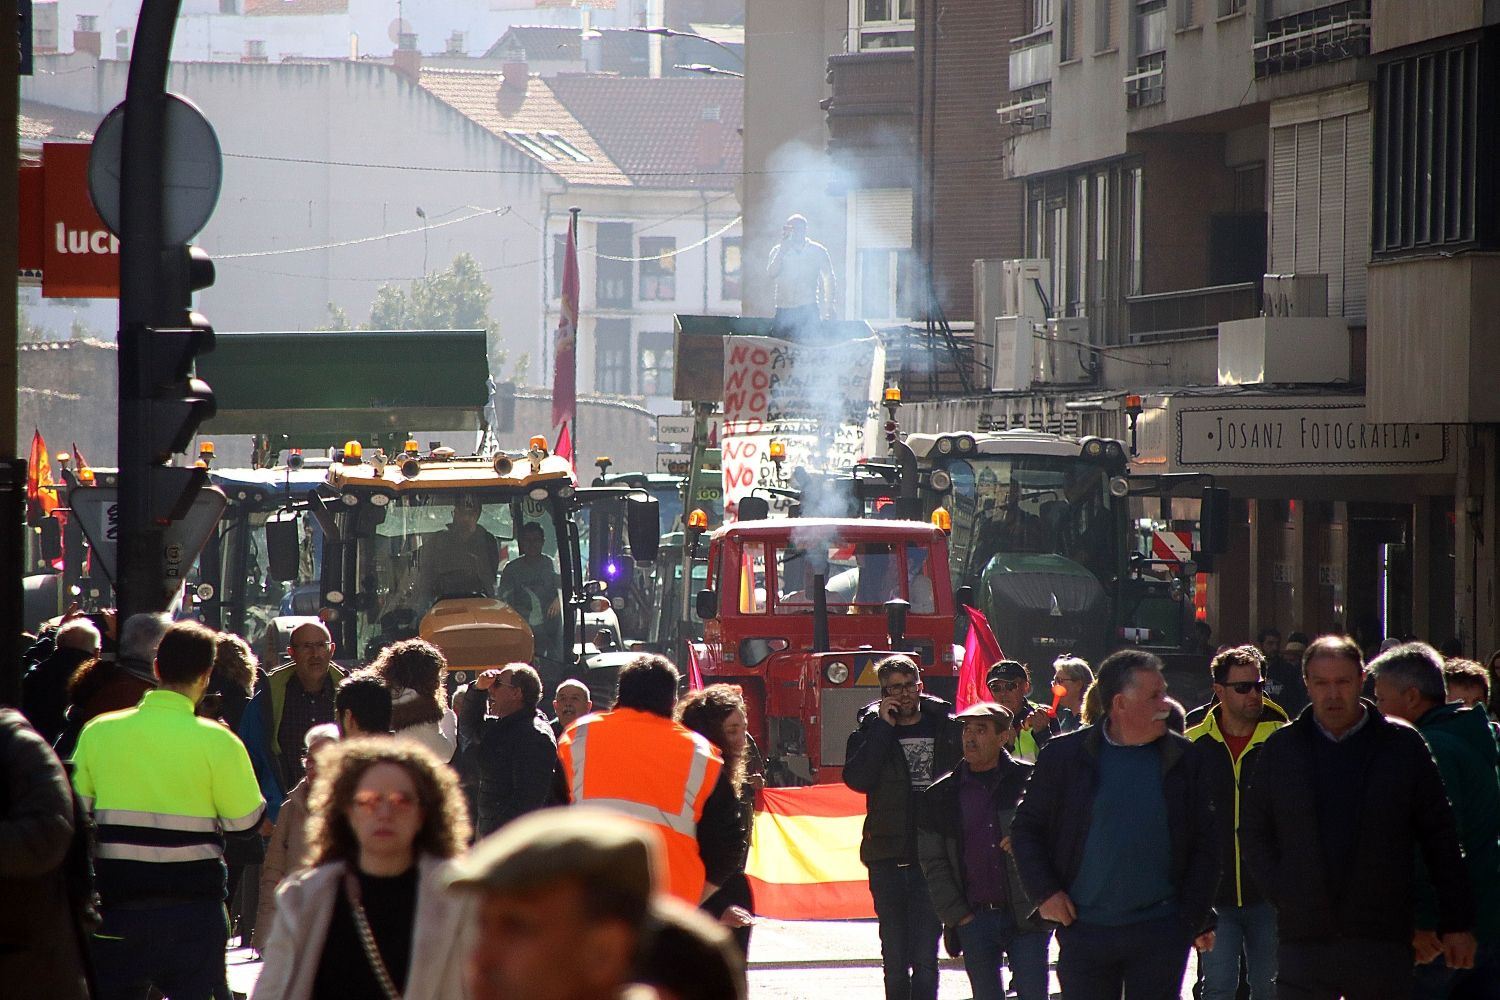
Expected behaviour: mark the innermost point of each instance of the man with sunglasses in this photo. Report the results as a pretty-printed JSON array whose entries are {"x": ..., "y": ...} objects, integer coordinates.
[
  {"x": 904, "y": 741},
  {"x": 1230, "y": 735},
  {"x": 1031, "y": 728}
]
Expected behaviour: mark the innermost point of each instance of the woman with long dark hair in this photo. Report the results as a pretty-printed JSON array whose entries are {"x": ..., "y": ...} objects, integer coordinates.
[
  {"x": 718, "y": 713},
  {"x": 369, "y": 920}
]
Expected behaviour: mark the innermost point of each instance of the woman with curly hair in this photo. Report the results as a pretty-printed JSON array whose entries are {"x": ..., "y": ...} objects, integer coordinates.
[
  {"x": 369, "y": 919},
  {"x": 718, "y": 712},
  {"x": 413, "y": 670}
]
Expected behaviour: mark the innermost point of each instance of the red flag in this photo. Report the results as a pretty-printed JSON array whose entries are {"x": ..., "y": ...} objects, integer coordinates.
[
  {"x": 78, "y": 462},
  {"x": 565, "y": 354},
  {"x": 981, "y": 651},
  {"x": 41, "y": 497},
  {"x": 564, "y": 447},
  {"x": 695, "y": 673}
]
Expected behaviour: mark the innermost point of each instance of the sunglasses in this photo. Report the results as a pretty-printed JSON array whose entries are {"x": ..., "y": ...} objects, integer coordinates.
[
  {"x": 369, "y": 802},
  {"x": 1245, "y": 687},
  {"x": 1006, "y": 686}
]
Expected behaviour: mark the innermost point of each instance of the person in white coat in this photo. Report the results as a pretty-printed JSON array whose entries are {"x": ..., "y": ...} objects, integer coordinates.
[
  {"x": 413, "y": 669},
  {"x": 369, "y": 919}
]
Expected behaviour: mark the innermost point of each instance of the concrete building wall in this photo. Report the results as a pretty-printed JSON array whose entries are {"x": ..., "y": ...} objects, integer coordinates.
[{"x": 1401, "y": 22}]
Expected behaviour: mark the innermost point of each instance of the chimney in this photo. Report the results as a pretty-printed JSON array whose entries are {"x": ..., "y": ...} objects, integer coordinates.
[
  {"x": 407, "y": 62},
  {"x": 86, "y": 35},
  {"x": 513, "y": 77}
]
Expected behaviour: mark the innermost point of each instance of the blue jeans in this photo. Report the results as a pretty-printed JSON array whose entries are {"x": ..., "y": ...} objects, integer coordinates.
[
  {"x": 177, "y": 949},
  {"x": 1435, "y": 981},
  {"x": 991, "y": 935},
  {"x": 1145, "y": 961},
  {"x": 1247, "y": 929},
  {"x": 909, "y": 931}
]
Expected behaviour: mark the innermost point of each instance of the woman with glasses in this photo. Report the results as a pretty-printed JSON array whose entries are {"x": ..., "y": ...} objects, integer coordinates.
[{"x": 369, "y": 920}]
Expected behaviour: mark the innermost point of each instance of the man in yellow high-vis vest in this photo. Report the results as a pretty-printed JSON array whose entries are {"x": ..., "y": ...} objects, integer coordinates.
[{"x": 165, "y": 788}]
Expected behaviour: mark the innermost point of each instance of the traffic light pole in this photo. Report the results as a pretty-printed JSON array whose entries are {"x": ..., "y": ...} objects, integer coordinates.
[{"x": 143, "y": 299}]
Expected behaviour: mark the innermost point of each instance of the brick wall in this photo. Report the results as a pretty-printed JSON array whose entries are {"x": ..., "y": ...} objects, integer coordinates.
[
  {"x": 975, "y": 212},
  {"x": 69, "y": 391}
]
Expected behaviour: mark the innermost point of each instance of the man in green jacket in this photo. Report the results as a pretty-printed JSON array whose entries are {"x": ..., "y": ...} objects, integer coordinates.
[{"x": 1409, "y": 685}]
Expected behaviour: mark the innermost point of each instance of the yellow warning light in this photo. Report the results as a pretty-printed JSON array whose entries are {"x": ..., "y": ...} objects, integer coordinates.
[
  {"x": 942, "y": 520},
  {"x": 206, "y": 448},
  {"x": 778, "y": 451},
  {"x": 893, "y": 394},
  {"x": 353, "y": 452},
  {"x": 86, "y": 475},
  {"x": 604, "y": 460},
  {"x": 698, "y": 520},
  {"x": 410, "y": 446},
  {"x": 200, "y": 464},
  {"x": 1132, "y": 404},
  {"x": 538, "y": 443}
]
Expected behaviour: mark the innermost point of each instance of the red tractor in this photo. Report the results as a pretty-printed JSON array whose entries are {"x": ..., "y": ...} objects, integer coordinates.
[{"x": 798, "y": 611}]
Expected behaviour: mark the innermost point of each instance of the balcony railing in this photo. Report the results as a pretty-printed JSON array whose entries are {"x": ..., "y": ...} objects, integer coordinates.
[
  {"x": 1031, "y": 59},
  {"x": 1031, "y": 110},
  {"x": 1192, "y": 312},
  {"x": 1307, "y": 37}
]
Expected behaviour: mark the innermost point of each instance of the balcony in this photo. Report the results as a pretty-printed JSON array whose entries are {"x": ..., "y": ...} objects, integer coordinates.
[
  {"x": 1193, "y": 312},
  {"x": 1031, "y": 110},
  {"x": 1148, "y": 84},
  {"x": 1305, "y": 34},
  {"x": 1031, "y": 59}
]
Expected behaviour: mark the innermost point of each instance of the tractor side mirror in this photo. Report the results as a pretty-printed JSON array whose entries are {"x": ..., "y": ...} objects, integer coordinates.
[
  {"x": 964, "y": 596},
  {"x": 753, "y": 508},
  {"x": 50, "y": 539},
  {"x": 643, "y": 526},
  {"x": 281, "y": 548},
  {"x": 1213, "y": 521},
  {"x": 707, "y": 605}
]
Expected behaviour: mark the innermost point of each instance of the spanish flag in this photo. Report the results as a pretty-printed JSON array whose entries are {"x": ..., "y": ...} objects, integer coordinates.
[
  {"x": 804, "y": 855},
  {"x": 41, "y": 493}
]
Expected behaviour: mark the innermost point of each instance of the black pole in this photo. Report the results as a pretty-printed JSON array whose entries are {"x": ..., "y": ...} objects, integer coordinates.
[
  {"x": 141, "y": 297},
  {"x": 820, "y": 613},
  {"x": 12, "y": 465}
]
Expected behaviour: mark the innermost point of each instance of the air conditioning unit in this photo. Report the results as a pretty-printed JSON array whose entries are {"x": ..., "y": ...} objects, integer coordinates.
[
  {"x": 1062, "y": 354},
  {"x": 1012, "y": 299},
  {"x": 1295, "y": 295}
]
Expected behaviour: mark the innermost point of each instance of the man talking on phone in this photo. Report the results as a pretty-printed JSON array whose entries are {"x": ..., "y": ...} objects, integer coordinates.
[{"x": 903, "y": 742}]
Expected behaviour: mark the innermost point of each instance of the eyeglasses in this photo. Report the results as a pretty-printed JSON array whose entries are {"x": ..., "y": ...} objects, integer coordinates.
[
  {"x": 895, "y": 689},
  {"x": 1006, "y": 686},
  {"x": 368, "y": 802},
  {"x": 311, "y": 645},
  {"x": 1245, "y": 687}
]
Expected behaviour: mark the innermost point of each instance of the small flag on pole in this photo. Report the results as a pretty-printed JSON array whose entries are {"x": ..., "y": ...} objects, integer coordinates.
[
  {"x": 981, "y": 651},
  {"x": 41, "y": 495},
  {"x": 565, "y": 352}
]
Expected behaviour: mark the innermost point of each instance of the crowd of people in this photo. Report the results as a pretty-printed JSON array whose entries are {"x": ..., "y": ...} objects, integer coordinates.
[{"x": 1319, "y": 828}]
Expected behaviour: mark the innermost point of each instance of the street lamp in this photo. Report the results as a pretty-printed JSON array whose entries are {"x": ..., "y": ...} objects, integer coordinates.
[
  {"x": 674, "y": 33},
  {"x": 707, "y": 70},
  {"x": 423, "y": 216}
]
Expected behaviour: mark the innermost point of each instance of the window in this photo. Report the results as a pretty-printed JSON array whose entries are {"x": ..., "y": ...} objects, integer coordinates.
[
  {"x": 882, "y": 24},
  {"x": 1039, "y": 13},
  {"x": 729, "y": 269},
  {"x": 1227, "y": 7},
  {"x": 1431, "y": 177},
  {"x": 122, "y": 44},
  {"x": 658, "y": 269},
  {"x": 531, "y": 145},
  {"x": 1187, "y": 14},
  {"x": 87, "y": 22},
  {"x": 569, "y": 150},
  {"x": 229, "y": 6},
  {"x": 612, "y": 356},
  {"x": 883, "y": 279},
  {"x": 612, "y": 277},
  {"x": 559, "y": 261},
  {"x": 1104, "y": 20},
  {"x": 655, "y": 368},
  {"x": 255, "y": 48}
]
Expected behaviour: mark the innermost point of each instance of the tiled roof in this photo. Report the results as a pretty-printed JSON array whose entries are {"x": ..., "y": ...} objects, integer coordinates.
[
  {"x": 678, "y": 132},
  {"x": 621, "y": 51},
  {"x": 268, "y": 8},
  {"x": 46, "y": 123},
  {"x": 521, "y": 117}
]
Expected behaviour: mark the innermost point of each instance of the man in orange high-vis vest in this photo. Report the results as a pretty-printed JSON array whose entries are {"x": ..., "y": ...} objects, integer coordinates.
[{"x": 635, "y": 760}]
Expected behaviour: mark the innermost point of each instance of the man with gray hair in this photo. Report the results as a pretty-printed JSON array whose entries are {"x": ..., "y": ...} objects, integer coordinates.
[
  {"x": 1409, "y": 685},
  {"x": 44, "y": 689},
  {"x": 112, "y": 686}
]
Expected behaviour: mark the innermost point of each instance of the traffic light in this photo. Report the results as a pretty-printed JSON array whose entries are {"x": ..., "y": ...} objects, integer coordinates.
[{"x": 171, "y": 402}]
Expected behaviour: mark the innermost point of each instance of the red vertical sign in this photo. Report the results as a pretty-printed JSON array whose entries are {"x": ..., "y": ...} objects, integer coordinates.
[
  {"x": 565, "y": 365},
  {"x": 80, "y": 257}
]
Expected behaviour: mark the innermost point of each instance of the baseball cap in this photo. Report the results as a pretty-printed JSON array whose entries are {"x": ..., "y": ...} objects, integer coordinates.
[
  {"x": 1005, "y": 670},
  {"x": 602, "y": 848}
]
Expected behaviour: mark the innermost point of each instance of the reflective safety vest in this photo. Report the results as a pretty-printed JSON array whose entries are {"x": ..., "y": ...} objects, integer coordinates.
[
  {"x": 652, "y": 769},
  {"x": 164, "y": 787}
]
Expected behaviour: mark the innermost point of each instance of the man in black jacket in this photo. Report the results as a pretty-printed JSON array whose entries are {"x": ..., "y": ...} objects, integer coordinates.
[
  {"x": 1335, "y": 810},
  {"x": 1117, "y": 836},
  {"x": 902, "y": 743},
  {"x": 513, "y": 749},
  {"x": 963, "y": 840}
]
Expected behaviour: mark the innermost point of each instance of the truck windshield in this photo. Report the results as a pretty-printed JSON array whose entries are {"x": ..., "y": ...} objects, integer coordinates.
[
  {"x": 859, "y": 576},
  {"x": 1015, "y": 506},
  {"x": 422, "y": 548},
  {"x": 251, "y": 597}
]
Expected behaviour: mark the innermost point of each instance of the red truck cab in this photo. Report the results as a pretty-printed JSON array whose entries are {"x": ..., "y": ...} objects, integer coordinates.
[{"x": 798, "y": 611}]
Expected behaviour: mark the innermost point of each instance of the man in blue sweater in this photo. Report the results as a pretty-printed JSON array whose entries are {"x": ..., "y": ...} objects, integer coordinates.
[{"x": 1117, "y": 836}]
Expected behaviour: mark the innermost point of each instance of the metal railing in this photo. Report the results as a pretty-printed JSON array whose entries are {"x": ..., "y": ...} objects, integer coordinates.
[
  {"x": 1310, "y": 37},
  {"x": 1191, "y": 312}
]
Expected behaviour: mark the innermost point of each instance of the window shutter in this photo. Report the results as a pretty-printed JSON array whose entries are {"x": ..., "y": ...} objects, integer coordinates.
[
  {"x": 1283, "y": 199},
  {"x": 1358, "y": 164},
  {"x": 1305, "y": 232},
  {"x": 1330, "y": 210},
  {"x": 882, "y": 218}
]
